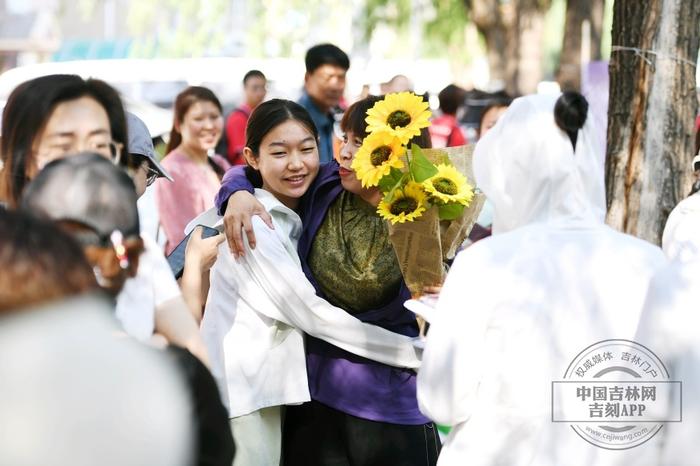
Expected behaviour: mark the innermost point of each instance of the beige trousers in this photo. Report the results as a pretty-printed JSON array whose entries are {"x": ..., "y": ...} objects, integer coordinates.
[{"x": 258, "y": 437}]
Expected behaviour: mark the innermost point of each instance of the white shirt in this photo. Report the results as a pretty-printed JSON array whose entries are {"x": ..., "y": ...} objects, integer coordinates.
[
  {"x": 257, "y": 310},
  {"x": 148, "y": 213},
  {"x": 153, "y": 285},
  {"x": 517, "y": 307}
]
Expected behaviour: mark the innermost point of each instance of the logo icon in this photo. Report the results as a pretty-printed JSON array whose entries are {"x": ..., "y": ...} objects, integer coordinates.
[{"x": 616, "y": 394}]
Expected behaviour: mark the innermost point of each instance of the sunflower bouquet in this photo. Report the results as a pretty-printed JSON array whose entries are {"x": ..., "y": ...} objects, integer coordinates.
[{"x": 428, "y": 199}]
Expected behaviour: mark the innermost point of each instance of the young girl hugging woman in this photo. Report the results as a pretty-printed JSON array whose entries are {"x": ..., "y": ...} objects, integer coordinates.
[
  {"x": 260, "y": 306},
  {"x": 363, "y": 411}
]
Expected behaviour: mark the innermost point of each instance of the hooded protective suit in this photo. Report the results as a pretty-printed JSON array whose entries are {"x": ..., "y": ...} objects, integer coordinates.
[
  {"x": 669, "y": 325},
  {"x": 517, "y": 307},
  {"x": 680, "y": 238}
]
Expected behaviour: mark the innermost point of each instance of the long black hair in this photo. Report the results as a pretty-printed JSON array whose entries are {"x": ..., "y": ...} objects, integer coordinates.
[
  {"x": 28, "y": 109},
  {"x": 266, "y": 117}
]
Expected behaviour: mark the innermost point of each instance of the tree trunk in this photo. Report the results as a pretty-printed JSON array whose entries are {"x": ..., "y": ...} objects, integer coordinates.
[
  {"x": 651, "y": 112},
  {"x": 530, "y": 29},
  {"x": 581, "y": 15},
  {"x": 486, "y": 16},
  {"x": 513, "y": 34}
]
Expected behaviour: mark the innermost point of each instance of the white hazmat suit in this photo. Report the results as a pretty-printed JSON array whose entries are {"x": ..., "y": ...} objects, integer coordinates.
[
  {"x": 517, "y": 307},
  {"x": 669, "y": 325}
]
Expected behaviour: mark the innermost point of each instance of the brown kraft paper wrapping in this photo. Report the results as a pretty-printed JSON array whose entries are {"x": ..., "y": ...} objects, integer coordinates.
[
  {"x": 417, "y": 247},
  {"x": 422, "y": 246}
]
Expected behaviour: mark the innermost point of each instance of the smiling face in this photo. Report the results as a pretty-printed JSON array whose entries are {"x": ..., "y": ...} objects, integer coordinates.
[
  {"x": 74, "y": 126},
  {"x": 288, "y": 161},
  {"x": 201, "y": 126}
]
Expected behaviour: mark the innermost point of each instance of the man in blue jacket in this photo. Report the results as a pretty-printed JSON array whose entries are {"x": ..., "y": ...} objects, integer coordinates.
[{"x": 324, "y": 85}]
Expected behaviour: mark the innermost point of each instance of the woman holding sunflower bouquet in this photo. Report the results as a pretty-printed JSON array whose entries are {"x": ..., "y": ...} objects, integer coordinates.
[{"x": 362, "y": 412}]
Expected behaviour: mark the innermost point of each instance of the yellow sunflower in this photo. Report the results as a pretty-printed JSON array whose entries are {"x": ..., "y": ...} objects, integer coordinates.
[
  {"x": 407, "y": 204},
  {"x": 379, "y": 152},
  {"x": 404, "y": 114},
  {"x": 449, "y": 186}
]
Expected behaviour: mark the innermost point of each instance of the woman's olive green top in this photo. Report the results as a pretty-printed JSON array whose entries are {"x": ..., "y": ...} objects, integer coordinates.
[{"x": 352, "y": 258}]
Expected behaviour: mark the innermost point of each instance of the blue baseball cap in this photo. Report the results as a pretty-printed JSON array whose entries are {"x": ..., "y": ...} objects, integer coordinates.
[{"x": 140, "y": 143}]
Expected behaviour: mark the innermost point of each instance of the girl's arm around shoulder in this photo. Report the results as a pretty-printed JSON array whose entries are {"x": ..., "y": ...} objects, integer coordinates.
[{"x": 275, "y": 269}]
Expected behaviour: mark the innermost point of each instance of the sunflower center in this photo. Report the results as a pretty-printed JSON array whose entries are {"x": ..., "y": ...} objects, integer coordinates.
[
  {"x": 398, "y": 118},
  {"x": 405, "y": 205},
  {"x": 445, "y": 186},
  {"x": 380, "y": 155}
]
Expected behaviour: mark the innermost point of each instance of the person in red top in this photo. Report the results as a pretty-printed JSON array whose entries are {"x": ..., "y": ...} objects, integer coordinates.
[
  {"x": 444, "y": 131},
  {"x": 255, "y": 89}
]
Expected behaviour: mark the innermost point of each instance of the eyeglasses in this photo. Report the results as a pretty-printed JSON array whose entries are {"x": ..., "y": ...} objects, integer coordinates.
[
  {"x": 139, "y": 162},
  {"x": 151, "y": 175},
  {"x": 109, "y": 149},
  {"x": 114, "y": 150}
]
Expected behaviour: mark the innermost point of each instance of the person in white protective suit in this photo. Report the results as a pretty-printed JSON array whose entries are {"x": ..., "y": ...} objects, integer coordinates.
[
  {"x": 679, "y": 240},
  {"x": 668, "y": 326},
  {"x": 517, "y": 307}
]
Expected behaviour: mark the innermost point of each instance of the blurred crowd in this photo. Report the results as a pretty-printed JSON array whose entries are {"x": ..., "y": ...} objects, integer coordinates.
[{"x": 263, "y": 322}]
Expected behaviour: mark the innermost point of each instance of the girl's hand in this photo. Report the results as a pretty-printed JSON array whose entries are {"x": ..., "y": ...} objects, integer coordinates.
[
  {"x": 201, "y": 252},
  {"x": 240, "y": 210}
]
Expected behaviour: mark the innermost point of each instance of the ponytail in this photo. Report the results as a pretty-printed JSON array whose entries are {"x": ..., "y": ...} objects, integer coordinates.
[{"x": 570, "y": 114}]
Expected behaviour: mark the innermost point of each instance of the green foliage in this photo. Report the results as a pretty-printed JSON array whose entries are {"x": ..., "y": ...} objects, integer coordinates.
[
  {"x": 390, "y": 181},
  {"x": 184, "y": 28},
  {"x": 450, "y": 211},
  {"x": 444, "y": 159},
  {"x": 443, "y": 26},
  {"x": 552, "y": 37},
  {"x": 395, "y": 13},
  {"x": 445, "y": 32},
  {"x": 421, "y": 168},
  {"x": 283, "y": 27},
  {"x": 606, "y": 40}
]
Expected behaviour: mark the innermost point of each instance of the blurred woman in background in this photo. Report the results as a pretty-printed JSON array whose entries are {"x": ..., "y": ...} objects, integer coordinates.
[
  {"x": 56, "y": 117},
  {"x": 190, "y": 159},
  {"x": 53, "y": 116}
]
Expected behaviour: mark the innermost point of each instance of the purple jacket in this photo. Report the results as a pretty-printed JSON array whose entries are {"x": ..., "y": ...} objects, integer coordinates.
[{"x": 342, "y": 380}]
